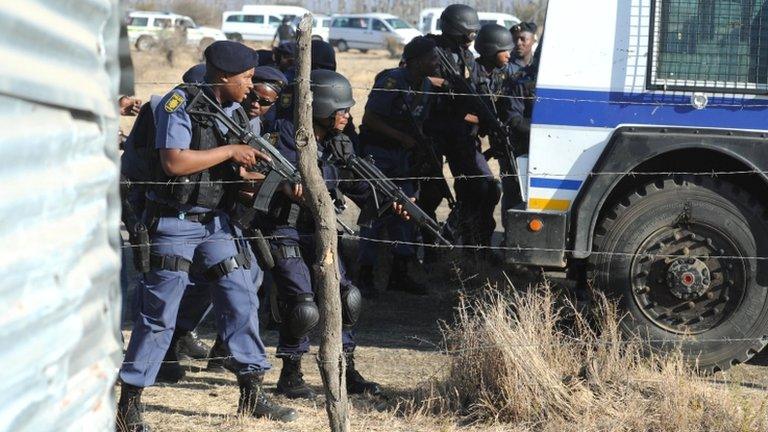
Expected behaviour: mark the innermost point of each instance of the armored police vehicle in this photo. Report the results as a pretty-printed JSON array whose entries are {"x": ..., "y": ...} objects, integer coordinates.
[{"x": 646, "y": 175}]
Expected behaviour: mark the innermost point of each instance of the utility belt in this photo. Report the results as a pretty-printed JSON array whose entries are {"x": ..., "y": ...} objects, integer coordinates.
[{"x": 145, "y": 260}]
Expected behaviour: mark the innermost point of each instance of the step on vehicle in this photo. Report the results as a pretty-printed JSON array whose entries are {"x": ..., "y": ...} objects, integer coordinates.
[
  {"x": 146, "y": 28},
  {"x": 641, "y": 109}
]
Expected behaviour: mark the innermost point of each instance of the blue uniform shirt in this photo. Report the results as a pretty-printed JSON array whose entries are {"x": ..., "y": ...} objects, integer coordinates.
[
  {"x": 388, "y": 102},
  {"x": 174, "y": 130},
  {"x": 500, "y": 82}
]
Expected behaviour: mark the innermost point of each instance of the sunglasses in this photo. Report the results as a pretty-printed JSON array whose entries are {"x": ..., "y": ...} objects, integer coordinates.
[
  {"x": 342, "y": 111},
  {"x": 264, "y": 102}
]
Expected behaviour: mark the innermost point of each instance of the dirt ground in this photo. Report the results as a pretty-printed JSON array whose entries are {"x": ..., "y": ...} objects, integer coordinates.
[{"x": 396, "y": 334}]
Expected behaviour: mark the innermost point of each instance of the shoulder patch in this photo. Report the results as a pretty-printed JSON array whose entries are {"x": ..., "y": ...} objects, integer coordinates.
[
  {"x": 286, "y": 99},
  {"x": 174, "y": 102}
]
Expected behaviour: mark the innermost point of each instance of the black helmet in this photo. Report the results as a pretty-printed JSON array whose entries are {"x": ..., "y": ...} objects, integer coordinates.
[
  {"x": 330, "y": 93},
  {"x": 323, "y": 55},
  {"x": 459, "y": 20},
  {"x": 493, "y": 38}
]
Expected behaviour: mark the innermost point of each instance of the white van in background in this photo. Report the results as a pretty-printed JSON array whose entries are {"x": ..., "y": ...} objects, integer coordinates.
[
  {"x": 144, "y": 29},
  {"x": 369, "y": 31},
  {"x": 429, "y": 20},
  {"x": 256, "y": 22},
  {"x": 321, "y": 26}
]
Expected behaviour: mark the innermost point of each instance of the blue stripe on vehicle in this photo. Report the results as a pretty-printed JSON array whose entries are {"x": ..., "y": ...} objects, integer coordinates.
[
  {"x": 610, "y": 109},
  {"x": 549, "y": 183}
]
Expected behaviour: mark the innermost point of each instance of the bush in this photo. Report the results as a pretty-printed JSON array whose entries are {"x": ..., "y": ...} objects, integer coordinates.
[{"x": 522, "y": 360}]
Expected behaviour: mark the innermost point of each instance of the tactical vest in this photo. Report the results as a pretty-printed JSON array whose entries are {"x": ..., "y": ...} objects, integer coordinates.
[{"x": 204, "y": 188}]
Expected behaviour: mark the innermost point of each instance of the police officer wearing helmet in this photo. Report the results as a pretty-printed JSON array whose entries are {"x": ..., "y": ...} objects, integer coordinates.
[
  {"x": 291, "y": 228},
  {"x": 456, "y": 127},
  {"x": 387, "y": 134},
  {"x": 495, "y": 76},
  {"x": 186, "y": 217}
]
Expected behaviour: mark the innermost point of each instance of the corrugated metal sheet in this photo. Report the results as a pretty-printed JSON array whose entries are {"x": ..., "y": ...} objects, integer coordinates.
[{"x": 59, "y": 212}]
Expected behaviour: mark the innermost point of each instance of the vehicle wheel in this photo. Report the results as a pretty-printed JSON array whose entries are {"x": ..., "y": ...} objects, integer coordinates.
[
  {"x": 237, "y": 37},
  {"x": 363, "y": 51},
  {"x": 204, "y": 43},
  {"x": 145, "y": 43},
  {"x": 669, "y": 252},
  {"x": 342, "y": 46},
  {"x": 316, "y": 37}
]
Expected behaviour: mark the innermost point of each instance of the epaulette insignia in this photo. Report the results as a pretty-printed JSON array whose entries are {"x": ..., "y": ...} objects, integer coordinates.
[
  {"x": 174, "y": 102},
  {"x": 285, "y": 100},
  {"x": 390, "y": 83}
]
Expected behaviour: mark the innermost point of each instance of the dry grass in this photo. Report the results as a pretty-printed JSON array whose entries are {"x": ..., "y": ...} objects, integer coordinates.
[{"x": 536, "y": 364}]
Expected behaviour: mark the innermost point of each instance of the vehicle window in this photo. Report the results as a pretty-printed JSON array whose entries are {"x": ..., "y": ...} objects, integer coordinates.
[
  {"x": 484, "y": 22},
  {"x": 510, "y": 23},
  {"x": 326, "y": 23},
  {"x": 379, "y": 26},
  {"x": 439, "y": 25},
  {"x": 162, "y": 22},
  {"x": 361, "y": 23},
  {"x": 397, "y": 23},
  {"x": 707, "y": 45},
  {"x": 426, "y": 24},
  {"x": 139, "y": 21},
  {"x": 275, "y": 21},
  {"x": 256, "y": 19},
  {"x": 188, "y": 23}
]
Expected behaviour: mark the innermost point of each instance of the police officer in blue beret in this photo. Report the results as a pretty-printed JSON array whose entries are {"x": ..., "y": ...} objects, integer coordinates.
[
  {"x": 387, "y": 135},
  {"x": 268, "y": 82},
  {"x": 285, "y": 56},
  {"x": 186, "y": 217}
]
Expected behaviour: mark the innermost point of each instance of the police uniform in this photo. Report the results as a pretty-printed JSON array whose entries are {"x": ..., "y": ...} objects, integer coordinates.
[
  {"x": 477, "y": 195},
  {"x": 390, "y": 156},
  {"x": 187, "y": 222}
]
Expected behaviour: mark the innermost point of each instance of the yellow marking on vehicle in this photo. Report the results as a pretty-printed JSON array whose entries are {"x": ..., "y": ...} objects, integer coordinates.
[{"x": 548, "y": 204}]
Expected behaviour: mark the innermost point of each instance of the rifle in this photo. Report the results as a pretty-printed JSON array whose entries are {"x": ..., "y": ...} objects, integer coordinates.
[
  {"x": 364, "y": 169},
  {"x": 497, "y": 132},
  {"x": 434, "y": 162},
  {"x": 278, "y": 169}
]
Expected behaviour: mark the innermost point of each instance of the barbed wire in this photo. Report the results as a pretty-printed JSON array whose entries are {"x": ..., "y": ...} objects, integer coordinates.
[
  {"x": 500, "y": 176},
  {"x": 514, "y": 97},
  {"x": 459, "y": 247}
]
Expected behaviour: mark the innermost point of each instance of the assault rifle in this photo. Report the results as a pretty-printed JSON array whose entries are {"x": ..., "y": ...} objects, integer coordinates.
[
  {"x": 497, "y": 132},
  {"x": 364, "y": 169},
  {"x": 277, "y": 170}
]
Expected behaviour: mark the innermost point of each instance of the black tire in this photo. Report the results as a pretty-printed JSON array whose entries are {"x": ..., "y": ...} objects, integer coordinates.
[
  {"x": 342, "y": 46},
  {"x": 145, "y": 43},
  {"x": 722, "y": 315},
  {"x": 363, "y": 50},
  {"x": 316, "y": 37}
]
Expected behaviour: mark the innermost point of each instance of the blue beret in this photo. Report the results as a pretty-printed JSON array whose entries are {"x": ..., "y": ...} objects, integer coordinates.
[
  {"x": 286, "y": 48},
  {"x": 231, "y": 57},
  {"x": 265, "y": 57},
  {"x": 269, "y": 74},
  {"x": 417, "y": 47},
  {"x": 195, "y": 74}
]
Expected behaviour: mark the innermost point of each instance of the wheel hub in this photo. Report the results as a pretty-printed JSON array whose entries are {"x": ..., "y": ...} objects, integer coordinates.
[{"x": 688, "y": 278}]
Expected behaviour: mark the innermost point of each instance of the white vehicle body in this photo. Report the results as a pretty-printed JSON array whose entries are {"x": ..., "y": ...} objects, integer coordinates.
[
  {"x": 429, "y": 20},
  {"x": 257, "y": 22},
  {"x": 146, "y": 26},
  {"x": 321, "y": 26},
  {"x": 369, "y": 31}
]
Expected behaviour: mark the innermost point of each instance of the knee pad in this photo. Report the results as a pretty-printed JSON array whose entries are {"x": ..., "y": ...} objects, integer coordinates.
[
  {"x": 351, "y": 305},
  {"x": 300, "y": 315}
]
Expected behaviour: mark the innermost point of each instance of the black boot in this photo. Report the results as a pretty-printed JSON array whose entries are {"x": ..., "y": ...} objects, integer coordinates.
[
  {"x": 365, "y": 282},
  {"x": 291, "y": 383},
  {"x": 189, "y": 345},
  {"x": 129, "y": 409},
  {"x": 218, "y": 355},
  {"x": 254, "y": 402},
  {"x": 170, "y": 371},
  {"x": 356, "y": 384},
  {"x": 400, "y": 280}
]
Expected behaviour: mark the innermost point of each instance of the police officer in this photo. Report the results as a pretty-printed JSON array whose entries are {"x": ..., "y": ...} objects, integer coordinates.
[
  {"x": 268, "y": 82},
  {"x": 285, "y": 32},
  {"x": 495, "y": 76},
  {"x": 524, "y": 36},
  {"x": 293, "y": 242},
  {"x": 285, "y": 56},
  {"x": 457, "y": 128},
  {"x": 387, "y": 134},
  {"x": 186, "y": 218}
]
